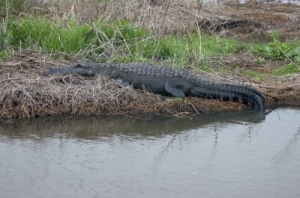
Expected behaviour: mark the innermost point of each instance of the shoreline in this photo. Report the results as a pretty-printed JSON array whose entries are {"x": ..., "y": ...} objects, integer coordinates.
[{"x": 28, "y": 92}]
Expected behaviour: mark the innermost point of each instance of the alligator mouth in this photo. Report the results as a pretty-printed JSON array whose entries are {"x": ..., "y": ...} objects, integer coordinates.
[{"x": 86, "y": 72}]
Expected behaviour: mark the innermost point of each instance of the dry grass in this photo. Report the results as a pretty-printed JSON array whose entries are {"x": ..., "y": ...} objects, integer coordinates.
[
  {"x": 165, "y": 17},
  {"x": 179, "y": 17}
]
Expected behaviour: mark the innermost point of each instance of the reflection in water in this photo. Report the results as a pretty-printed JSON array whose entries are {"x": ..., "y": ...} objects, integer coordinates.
[
  {"x": 97, "y": 127},
  {"x": 287, "y": 150},
  {"x": 240, "y": 154}
]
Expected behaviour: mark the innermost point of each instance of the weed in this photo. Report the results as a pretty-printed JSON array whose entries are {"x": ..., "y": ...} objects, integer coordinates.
[
  {"x": 253, "y": 74},
  {"x": 287, "y": 69},
  {"x": 260, "y": 60},
  {"x": 2, "y": 36},
  {"x": 176, "y": 99},
  {"x": 278, "y": 50},
  {"x": 275, "y": 35},
  {"x": 3, "y": 55}
]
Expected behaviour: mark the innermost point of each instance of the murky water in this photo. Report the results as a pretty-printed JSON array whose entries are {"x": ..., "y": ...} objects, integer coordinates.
[{"x": 231, "y": 155}]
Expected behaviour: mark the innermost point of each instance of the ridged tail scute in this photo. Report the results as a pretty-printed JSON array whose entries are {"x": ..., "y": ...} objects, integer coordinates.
[
  {"x": 240, "y": 92},
  {"x": 231, "y": 92}
]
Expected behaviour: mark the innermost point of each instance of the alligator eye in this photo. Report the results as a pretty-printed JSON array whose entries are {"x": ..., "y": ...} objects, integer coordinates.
[
  {"x": 90, "y": 72},
  {"x": 78, "y": 66}
]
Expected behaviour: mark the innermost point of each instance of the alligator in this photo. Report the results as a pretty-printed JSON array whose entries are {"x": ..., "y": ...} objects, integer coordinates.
[{"x": 167, "y": 81}]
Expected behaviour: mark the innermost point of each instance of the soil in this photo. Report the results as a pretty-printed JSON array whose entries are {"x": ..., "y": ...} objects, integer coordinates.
[{"x": 27, "y": 92}]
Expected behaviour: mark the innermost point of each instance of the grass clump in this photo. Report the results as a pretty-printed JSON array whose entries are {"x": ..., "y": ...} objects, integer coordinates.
[
  {"x": 88, "y": 40},
  {"x": 280, "y": 51},
  {"x": 285, "y": 70},
  {"x": 45, "y": 34},
  {"x": 253, "y": 74}
]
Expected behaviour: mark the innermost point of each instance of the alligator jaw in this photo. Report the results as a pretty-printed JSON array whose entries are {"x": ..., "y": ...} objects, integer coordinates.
[{"x": 73, "y": 69}]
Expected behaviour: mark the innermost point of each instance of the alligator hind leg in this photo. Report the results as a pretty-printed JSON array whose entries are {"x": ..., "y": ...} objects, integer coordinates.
[
  {"x": 171, "y": 88},
  {"x": 124, "y": 82}
]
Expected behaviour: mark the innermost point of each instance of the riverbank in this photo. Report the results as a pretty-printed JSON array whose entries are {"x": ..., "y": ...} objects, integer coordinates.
[{"x": 27, "y": 92}]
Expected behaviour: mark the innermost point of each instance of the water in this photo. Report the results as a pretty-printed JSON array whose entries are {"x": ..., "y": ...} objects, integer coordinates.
[{"x": 231, "y": 155}]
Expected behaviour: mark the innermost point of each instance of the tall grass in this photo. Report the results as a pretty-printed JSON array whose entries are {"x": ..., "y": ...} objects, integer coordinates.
[
  {"x": 18, "y": 5},
  {"x": 117, "y": 41},
  {"x": 104, "y": 40}
]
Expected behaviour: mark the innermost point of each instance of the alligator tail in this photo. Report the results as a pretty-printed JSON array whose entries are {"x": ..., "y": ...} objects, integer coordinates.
[
  {"x": 241, "y": 93},
  {"x": 232, "y": 92}
]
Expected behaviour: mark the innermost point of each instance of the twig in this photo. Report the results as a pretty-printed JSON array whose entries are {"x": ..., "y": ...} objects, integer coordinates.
[
  {"x": 287, "y": 57},
  {"x": 200, "y": 2},
  {"x": 12, "y": 79},
  {"x": 195, "y": 109}
]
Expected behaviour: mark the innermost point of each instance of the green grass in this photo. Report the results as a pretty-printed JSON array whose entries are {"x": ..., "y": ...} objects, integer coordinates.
[
  {"x": 41, "y": 33},
  {"x": 253, "y": 74},
  {"x": 285, "y": 70},
  {"x": 280, "y": 51},
  {"x": 119, "y": 41}
]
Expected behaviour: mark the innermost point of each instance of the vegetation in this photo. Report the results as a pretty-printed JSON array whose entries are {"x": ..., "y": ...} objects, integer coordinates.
[
  {"x": 118, "y": 41},
  {"x": 35, "y": 35},
  {"x": 278, "y": 50},
  {"x": 124, "y": 41}
]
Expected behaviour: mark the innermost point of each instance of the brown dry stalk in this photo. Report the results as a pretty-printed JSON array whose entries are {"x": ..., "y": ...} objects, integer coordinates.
[{"x": 295, "y": 65}]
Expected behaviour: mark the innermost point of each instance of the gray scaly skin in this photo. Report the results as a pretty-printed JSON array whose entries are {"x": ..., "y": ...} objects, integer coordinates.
[{"x": 167, "y": 81}]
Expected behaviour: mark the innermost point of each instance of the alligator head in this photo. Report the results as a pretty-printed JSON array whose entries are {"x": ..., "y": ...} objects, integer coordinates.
[{"x": 83, "y": 68}]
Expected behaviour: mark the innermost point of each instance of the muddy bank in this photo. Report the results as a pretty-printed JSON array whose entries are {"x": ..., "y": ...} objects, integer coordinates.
[{"x": 27, "y": 92}]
